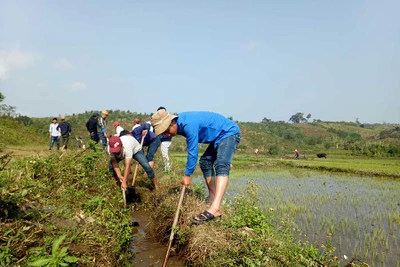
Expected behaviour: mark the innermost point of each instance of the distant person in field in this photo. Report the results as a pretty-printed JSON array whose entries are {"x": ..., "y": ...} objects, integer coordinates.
[
  {"x": 165, "y": 144},
  {"x": 102, "y": 128},
  {"x": 256, "y": 152},
  {"x": 297, "y": 154},
  {"x": 150, "y": 141},
  {"x": 127, "y": 148},
  {"x": 223, "y": 137},
  {"x": 118, "y": 128},
  {"x": 65, "y": 131},
  {"x": 91, "y": 126},
  {"x": 54, "y": 134}
]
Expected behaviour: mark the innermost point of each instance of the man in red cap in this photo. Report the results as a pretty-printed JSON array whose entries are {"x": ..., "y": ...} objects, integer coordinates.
[
  {"x": 118, "y": 128},
  {"x": 127, "y": 148},
  {"x": 137, "y": 124}
]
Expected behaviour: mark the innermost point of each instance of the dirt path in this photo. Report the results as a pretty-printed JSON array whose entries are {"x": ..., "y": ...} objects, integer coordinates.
[
  {"x": 148, "y": 252},
  {"x": 27, "y": 152}
]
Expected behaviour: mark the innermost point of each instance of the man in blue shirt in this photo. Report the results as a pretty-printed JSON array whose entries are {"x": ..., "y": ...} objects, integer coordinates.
[
  {"x": 150, "y": 140},
  {"x": 223, "y": 137}
]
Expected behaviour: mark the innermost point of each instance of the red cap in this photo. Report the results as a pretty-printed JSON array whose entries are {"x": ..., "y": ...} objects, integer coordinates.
[
  {"x": 115, "y": 144},
  {"x": 115, "y": 124},
  {"x": 136, "y": 120}
]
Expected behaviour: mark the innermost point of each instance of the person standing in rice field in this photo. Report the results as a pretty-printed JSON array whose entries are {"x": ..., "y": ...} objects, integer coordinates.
[{"x": 297, "y": 154}]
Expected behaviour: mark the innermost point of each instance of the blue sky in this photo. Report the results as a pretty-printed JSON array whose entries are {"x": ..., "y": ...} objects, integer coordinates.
[{"x": 338, "y": 60}]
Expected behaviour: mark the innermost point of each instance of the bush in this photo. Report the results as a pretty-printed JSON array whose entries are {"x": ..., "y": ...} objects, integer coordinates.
[{"x": 274, "y": 150}]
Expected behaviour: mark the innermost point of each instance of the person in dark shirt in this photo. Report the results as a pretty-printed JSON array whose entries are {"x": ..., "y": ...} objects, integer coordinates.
[
  {"x": 65, "y": 131},
  {"x": 150, "y": 140},
  {"x": 91, "y": 126}
]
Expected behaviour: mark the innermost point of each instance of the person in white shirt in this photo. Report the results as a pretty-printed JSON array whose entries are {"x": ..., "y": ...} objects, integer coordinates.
[
  {"x": 118, "y": 128},
  {"x": 127, "y": 148},
  {"x": 54, "y": 134},
  {"x": 137, "y": 124}
]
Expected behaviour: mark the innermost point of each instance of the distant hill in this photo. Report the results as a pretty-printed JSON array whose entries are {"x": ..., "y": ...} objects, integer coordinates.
[
  {"x": 273, "y": 138},
  {"x": 14, "y": 133}
]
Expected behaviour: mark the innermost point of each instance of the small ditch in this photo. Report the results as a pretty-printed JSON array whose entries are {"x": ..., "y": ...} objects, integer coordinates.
[{"x": 147, "y": 251}]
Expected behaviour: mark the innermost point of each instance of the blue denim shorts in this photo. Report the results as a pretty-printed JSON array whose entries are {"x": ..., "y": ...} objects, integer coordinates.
[
  {"x": 217, "y": 160},
  {"x": 153, "y": 147}
]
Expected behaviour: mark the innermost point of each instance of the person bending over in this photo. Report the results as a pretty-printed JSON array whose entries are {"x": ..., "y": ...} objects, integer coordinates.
[
  {"x": 223, "y": 137},
  {"x": 127, "y": 148}
]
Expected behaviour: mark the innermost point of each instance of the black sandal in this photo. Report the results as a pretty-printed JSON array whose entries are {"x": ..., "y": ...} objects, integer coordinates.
[{"x": 203, "y": 217}]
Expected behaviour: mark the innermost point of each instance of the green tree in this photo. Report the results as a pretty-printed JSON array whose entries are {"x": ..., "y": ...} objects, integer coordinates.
[
  {"x": 6, "y": 110},
  {"x": 25, "y": 120},
  {"x": 265, "y": 120},
  {"x": 298, "y": 118}
]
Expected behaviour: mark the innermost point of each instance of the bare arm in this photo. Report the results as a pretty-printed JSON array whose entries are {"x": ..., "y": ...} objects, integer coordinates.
[
  {"x": 117, "y": 169},
  {"x": 127, "y": 171}
]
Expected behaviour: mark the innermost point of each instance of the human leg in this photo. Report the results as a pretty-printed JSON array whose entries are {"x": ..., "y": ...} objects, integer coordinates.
[
  {"x": 51, "y": 143},
  {"x": 141, "y": 158},
  {"x": 103, "y": 140},
  {"x": 164, "y": 152},
  {"x": 224, "y": 155},
  {"x": 152, "y": 149},
  {"x": 206, "y": 166},
  {"x": 65, "y": 141},
  {"x": 58, "y": 142}
]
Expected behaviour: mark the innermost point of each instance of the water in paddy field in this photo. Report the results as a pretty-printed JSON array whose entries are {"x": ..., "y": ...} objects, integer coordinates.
[{"x": 361, "y": 215}]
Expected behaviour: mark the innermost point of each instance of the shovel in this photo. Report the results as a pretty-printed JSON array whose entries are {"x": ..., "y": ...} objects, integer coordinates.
[
  {"x": 124, "y": 196},
  {"x": 171, "y": 238}
]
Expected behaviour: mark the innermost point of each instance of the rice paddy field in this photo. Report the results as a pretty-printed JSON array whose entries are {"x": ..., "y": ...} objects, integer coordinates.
[
  {"x": 358, "y": 216},
  {"x": 348, "y": 204}
]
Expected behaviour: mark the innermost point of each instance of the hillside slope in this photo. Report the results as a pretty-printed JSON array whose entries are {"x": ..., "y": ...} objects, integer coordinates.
[
  {"x": 13, "y": 133},
  {"x": 273, "y": 138}
]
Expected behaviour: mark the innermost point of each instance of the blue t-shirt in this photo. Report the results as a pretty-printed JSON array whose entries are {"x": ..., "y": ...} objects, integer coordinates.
[
  {"x": 203, "y": 127},
  {"x": 137, "y": 134}
]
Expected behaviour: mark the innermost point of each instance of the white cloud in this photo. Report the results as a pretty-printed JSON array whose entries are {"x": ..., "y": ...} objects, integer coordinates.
[
  {"x": 253, "y": 46},
  {"x": 78, "y": 86},
  {"x": 12, "y": 60},
  {"x": 63, "y": 64}
]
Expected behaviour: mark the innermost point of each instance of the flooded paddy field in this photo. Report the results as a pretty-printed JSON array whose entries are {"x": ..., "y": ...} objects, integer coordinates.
[{"x": 359, "y": 216}]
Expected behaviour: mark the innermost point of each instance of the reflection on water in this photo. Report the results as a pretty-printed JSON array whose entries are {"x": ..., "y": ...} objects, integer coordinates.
[{"x": 362, "y": 213}]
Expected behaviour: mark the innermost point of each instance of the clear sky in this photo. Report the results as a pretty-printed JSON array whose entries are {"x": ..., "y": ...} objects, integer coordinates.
[{"x": 338, "y": 60}]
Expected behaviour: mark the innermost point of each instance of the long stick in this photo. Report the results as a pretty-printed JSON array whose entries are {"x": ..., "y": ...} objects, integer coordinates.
[
  {"x": 124, "y": 196},
  {"x": 137, "y": 163},
  {"x": 171, "y": 238}
]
